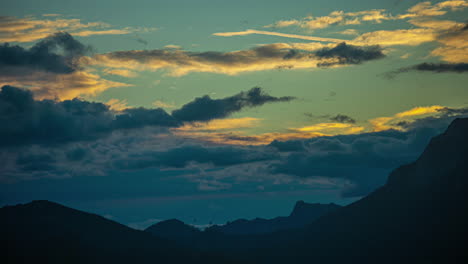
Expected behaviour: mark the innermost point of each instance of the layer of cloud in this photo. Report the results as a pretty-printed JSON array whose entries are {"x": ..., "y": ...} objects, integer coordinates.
[
  {"x": 421, "y": 10},
  {"x": 335, "y": 18},
  {"x": 51, "y": 68},
  {"x": 30, "y": 29},
  {"x": 265, "y": 57},
  {"x": 29, "y": 121},
  {"x": 205, "y": 108},
  {"x": 422, "y": 17},
  {"x": 354, "y": 164}
]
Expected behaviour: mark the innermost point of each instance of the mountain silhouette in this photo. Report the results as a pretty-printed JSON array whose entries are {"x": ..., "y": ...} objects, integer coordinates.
[
  {"x": 302, "y": 214},
  {"x": 231, "y": 235},
  {"x": 46, "y": 232},
  {"x": 173, "y": 229}
]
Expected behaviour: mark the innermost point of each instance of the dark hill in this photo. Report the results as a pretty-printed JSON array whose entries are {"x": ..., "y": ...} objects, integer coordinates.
[
  {"x": 46, "y": 232},
  {"x": 302, "y": 214}
]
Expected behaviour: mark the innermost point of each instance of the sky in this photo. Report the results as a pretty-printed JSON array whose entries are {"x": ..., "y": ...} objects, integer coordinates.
[{"x": 209, "y": 111}]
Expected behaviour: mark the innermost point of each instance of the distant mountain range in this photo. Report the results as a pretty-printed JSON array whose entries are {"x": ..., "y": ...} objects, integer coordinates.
[
  {"x": 419, "y": 216},
  {"x": 302, "y": 214}
]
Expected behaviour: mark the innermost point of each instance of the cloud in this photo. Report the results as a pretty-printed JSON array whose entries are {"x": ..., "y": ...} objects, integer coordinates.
[
  {"x": 431, "y": 67},
  {"x": 172, "y": 46},
  {"x": 355, "y": 164},
  {"x": 392, "y": 122},
  {"x": 421, "y": 15},
  {"x": 349, "y": 31},
  {"x": 454, "y": 44},
  {"x": 265, "y": 57},
  {"x": 117, "y": 105},
  {"x": 161, "y": 104},
  {"x": 51, "y": 68},
  {"x": 43, "y": 57},
  {"x": 269, "y": 33},
  {"x": 121, "y": 72},
  {"x": 349, "y": 54},
  {"x": 335, "y": 18},
  {"x": 362, "y": 160},
  {"x": 205, "y": 108},
  {"x": 183, "y": 156},
  {"x": 343, "y": 119},
  {"x": 29, "y": 121},
  {"x": 421, "y": 10},
  {"x": 30, "y": 29},
  {"x": 217, "y": 135},
  {"x": 220, "y": 124},
  {"x": 426, "y": 9},
  {"x": 411, "y": 37}
]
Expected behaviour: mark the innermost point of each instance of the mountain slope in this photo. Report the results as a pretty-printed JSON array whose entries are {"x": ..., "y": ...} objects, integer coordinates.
[
  {"x": 173, "y": 229},
  {"x": 302, "y": 214},
  {"x": 420, "y": 215},
  {"x": 46, "y": 232}
]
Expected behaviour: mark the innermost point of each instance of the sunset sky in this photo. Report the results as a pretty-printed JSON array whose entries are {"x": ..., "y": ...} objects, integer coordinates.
[{"x": 209, "y": 111}]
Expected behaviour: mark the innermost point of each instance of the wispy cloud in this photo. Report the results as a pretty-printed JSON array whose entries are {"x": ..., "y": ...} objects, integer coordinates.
[
  {"x": 29, "y": 29},
  {"x": 335, "y": 18},
  {"x": 386, "y": 123},
  {"x": 270, "y": 33}
]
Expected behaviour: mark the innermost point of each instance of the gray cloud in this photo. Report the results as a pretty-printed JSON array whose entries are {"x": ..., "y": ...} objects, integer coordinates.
[
  {"x": 205, "y": 109},
  {"x": 28, "y": 121},
  {"x": 44, "y": 56},
  {"x": 340, "y": 118},
  {"x": 431, "y": 67},
  {"x": 180, "y": 157},
  {"x": 349, "y": 54},
  {"x": 364, "y": 160}
]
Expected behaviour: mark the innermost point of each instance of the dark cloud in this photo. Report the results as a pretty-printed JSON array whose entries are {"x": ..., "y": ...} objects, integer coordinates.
[
  {"x": 349, "y": 54},
  {"x": 205, "y": 109},
  {"x": 28, "y": 121},
  {"x": 431, "y": 67},
  {"x": 180, "y": 157},
  {"x": 57, "y": 53},
  {"x": 140, "y": 117},
  {"x": 36, "y": 162},
  {"x": 343, "y": 119},
  {"x": 363, "y": 160}
]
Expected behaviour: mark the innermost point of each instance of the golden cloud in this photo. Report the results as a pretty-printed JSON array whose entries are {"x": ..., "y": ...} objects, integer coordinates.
[
  {"x": 29, "y": 29},
  {"x": 386, "y": 123},
  {"x": 63, "y": 86}
]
